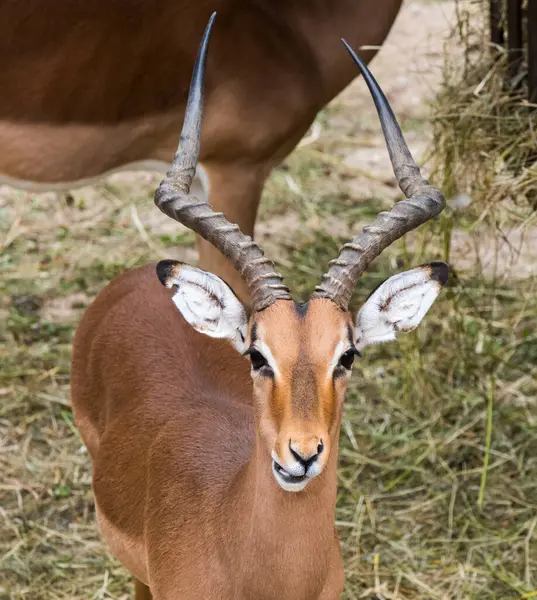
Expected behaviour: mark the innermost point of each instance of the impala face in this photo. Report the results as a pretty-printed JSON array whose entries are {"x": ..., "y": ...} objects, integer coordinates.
[
  {"x": 301, "y": 358},
  {"x": 301, "y": 355}
]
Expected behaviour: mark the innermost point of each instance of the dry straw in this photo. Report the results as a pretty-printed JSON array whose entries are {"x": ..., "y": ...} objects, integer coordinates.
[{"x": 485, "y": 131}]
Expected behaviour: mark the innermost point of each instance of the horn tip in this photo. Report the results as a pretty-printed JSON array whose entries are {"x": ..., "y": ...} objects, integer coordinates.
[
  {"x": 207, "y": 32},
  {"x": 353, "y": 54}
]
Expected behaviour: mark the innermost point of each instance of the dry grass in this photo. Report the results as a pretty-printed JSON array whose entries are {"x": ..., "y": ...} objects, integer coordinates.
[
  {"x": 416, "y": 516},
  {"x": 437, "y": 486},
  {"x": 485, "y": 130}
]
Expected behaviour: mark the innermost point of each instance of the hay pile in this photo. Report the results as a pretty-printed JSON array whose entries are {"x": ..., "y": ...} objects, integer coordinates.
[{"x": 485, "y": 131}]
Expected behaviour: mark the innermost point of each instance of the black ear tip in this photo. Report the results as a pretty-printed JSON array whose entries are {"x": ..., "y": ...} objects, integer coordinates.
[
  {"x": 439, "y": 272},
  {"x": 166, "y": 269}
]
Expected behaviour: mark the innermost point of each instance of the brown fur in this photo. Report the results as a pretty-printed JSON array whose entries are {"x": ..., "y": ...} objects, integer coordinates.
[
  {"x": 181, "y": 445},
  {"x": 88, "y": 86}
]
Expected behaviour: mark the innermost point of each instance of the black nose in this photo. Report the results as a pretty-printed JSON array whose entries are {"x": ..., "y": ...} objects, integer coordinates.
[{"x": 306, "y": 461}]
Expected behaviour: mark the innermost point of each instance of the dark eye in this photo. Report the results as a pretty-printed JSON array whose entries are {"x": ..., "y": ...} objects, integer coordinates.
[
  {"x": 347, "y": 359},
  {"x": 258, "y": 360}
]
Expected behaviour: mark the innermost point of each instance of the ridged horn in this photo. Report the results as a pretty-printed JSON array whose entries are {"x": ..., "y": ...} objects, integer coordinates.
[
  {"x": 174, "y": 199},
  {"x": 424, "y": 202}
]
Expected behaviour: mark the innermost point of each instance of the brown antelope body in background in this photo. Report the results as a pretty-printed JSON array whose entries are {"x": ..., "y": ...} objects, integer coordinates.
[
  {"x": 201, "y": 420},
  {"x": 92, "y": 86}
]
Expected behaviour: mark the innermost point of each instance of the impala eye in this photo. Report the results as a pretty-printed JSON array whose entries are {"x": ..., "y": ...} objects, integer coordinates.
[
  {"x": 347, "y": 358},
  {"x": 258, "y": 360}
]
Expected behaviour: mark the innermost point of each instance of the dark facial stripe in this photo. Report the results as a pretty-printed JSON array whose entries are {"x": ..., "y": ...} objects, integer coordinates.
[
  {"x": 301, "y": 309},
  {"x": 253, "y": 334}
]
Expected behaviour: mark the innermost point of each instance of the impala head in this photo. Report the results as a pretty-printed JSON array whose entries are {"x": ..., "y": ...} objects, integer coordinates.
[{"x": 301, "y": 355}]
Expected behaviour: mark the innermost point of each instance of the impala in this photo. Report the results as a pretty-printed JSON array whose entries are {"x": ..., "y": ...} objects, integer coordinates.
[
  {"x": 94, "y": 86},
  {"x": 213, "y": 430}
]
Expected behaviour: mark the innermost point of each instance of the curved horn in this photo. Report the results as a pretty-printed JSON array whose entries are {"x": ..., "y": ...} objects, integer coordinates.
[
  {"x": 173, "y": 198},
  {"x": 424, "y": 202}
]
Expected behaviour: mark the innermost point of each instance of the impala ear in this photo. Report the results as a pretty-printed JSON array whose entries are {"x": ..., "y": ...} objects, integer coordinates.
[
  {"x": 205, "y": 301},
  {"x": 399, "y": 304}
]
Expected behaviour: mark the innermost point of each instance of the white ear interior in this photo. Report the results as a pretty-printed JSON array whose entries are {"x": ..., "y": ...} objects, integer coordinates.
[
  {"x": 399, "y": 304},
  {"x": 208, "y": 304}
]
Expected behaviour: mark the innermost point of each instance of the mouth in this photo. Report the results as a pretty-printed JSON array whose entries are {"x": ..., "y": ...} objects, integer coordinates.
[{"x": 292, "y": 483}]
